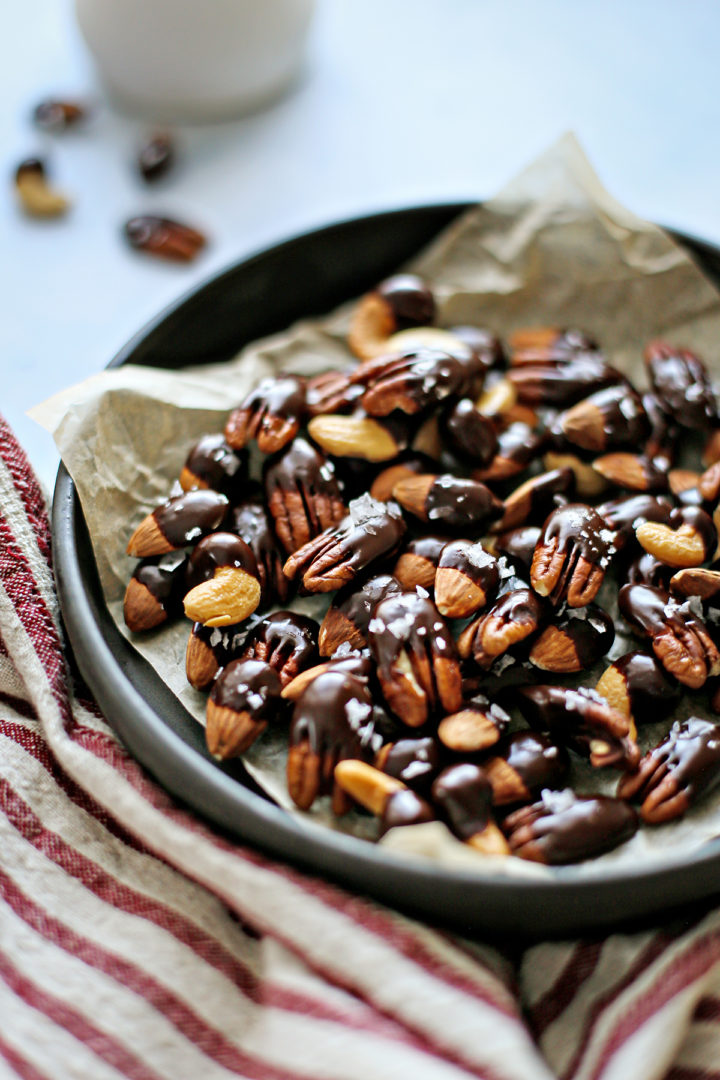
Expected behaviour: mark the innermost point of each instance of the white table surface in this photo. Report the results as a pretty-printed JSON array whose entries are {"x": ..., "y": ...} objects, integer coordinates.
[{"x": 403, "y": 102}]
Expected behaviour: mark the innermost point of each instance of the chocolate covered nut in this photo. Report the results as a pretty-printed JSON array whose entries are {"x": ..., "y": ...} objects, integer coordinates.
[
  {"x": 512, "y": 619},
  {"x": 646, "y": 570},
  {"x": 606, "y": 420},
  {"x": 371, "y": 530},
  {"x": 383, "y": 795},
  {"x": 636, "y": 685},
  {"x": 467, "y": 579},
  {"x": 399, "y": 302},
  {"x": 566, "y": 828},
  {"x": 227, "y": 588},
  {"x": 486, "y": 347},
  {"x": 416, "y": 762},
  {"x": 37, "y": 197},
  {"x": 250, "y": 520},
  {"x": 331, "y": 392},
  {"x": 463, "y": 797},
  {"x": 672, "y": 777},
  {"x": 523, "y": 765},
  {"x": 518, "y": 545},
  {"x": 284, "y": 640},
  {"x": 518, "y": 445},
  {"x": 574, "y": 641},
  {"x": 623, "y": 515},
  {"x": 688, "y": 538},
  {"x": 632, "y": 471},
  {"x": 475, "y": 727},
  {"x": 210, "y": 648},
  {"x": 572, "y": 554},
  {"x": 355, "y": 662},
  {"x": 164, "y": 237},
  {"x": 679, "y": 638},
  {"x": 535, "y": 498},
  {"x": 411, "y": 382},
  {"x": 448, "y": 501},
  {"x": 468, "y": 433},
  {"x": 681, "y": 383},
  {"x": 54, "y": 115},
  {"x": 360, "y": 436},
  {"x": 270, "y": 414},
  {"x": 548, "y": 345},
  {"x": 705, "y": 584},
  {"x": 244, "y": 698},
  {"x": 347, "y": 618},
  {"x": 155, "y": 591},
  {"x": 303, "y": 494},
  {"x": 332, "y": 720},
  {"x": 417, "y": 663},
  {"x": 211, "y": 463},
  {"x": 564, "y": 384},
  {"x": 582, "y": 720},
  {"x": 409, "y": 464},
  {"x": 418, "y": 563},
  {"x": 178, "y": 522}
]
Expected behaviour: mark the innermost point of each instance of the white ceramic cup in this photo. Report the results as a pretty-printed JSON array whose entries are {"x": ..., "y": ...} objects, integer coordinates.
[{"x": 195, "y": 59}]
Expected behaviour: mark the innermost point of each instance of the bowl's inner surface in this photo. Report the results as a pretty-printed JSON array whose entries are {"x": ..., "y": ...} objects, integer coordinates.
[{"x": 310, "y": 276}]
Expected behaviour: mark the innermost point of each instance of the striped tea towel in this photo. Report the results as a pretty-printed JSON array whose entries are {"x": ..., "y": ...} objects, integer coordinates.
[{"x": 135, "y": 942}]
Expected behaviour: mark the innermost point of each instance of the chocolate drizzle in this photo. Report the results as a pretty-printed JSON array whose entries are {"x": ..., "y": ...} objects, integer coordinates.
[{"x": 185, "y": 519}]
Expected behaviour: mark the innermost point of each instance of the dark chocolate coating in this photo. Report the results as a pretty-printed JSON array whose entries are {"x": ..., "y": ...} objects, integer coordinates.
[
  {"x": 577, "y": 718},
  {"x": 468, "y": 433},
  {"x": 696, "y": 518},
  {"x": 543, "y": 384},
  {"x": 652, "y": 695},
  {"x": 682, "y": 384},
  {"x": 405, "y": 808},
  {"x": 661, "y": 444},
  {"x": 518, "y": 443},
  {"x": 185, "y": 519},
  {"x": 463, "y": 797},
  {"x": 358, "y": 603},
  {"x": 624, "y": 423},
  {"x": 646, "y": 608},
  {"x": 486, "y": 347},
  {"x": 538, "y": 761},
  {"x": 626, "y": 513},
  {"x": 248, "y": 686},
  {"x": 519, "y": 544},
  {"x": 409, "y": 299},
  {"x": 156, "y": 157},
  {"x": 306, "y": 476},
  {"x": 690, "y": 754},
  {"x": 285, "y": 640},
  {"x": 414, "y": 761},
  {"x": 218, "y": 465},
  {"x": 591, "y": 631},
  {"x": 411, "y": 381},
  {"x": 427, "y": 547},
  {"x": 475, "y": 563},
  {"x": 165, "y": 578},
  {"x": 218, "y": 550},
  {"x": 456, "y": 503},
  {"x": 250, "y": 520},
  {"x": 647, "y": 570},
  {"x": 409, "y": 622},
  {"x": 579, "y": 527},
  {"x": 276, "y": 396},
  {"x": 334, "y": 716},
  {"x": 568, "y": 828}
]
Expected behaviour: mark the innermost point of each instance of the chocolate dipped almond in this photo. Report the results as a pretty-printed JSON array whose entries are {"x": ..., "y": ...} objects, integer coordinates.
[
  {"x": 178, "y": 522},
  {"x": 244, "y": 698}
]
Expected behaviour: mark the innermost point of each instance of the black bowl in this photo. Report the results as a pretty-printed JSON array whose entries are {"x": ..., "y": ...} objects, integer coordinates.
[{"x": 306, "y": 276}]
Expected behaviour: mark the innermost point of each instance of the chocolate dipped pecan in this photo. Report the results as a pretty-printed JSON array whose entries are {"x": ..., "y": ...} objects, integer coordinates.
[
  {"x": 286, "y": 641},
  {"x": 582, "y": 720},
  {"x": 370, "y": 531},
  {"x": 679, "y": 638},
  {"x": 571, "y": 556},
  {"x": 270, "y": 414},
  {"x": 681, "y": 383},
  {"x": 673, "y": 776},
  {"x": 565, "y": 828},
  {"x": 511, "y": 620},
  {"x": 411, "y": 382},
  {"x": 303, "y": 494},
  {"x": 417, "y": 663},
  {"x": 332, "y": 720},
  {"x": 563, "y": 384}
]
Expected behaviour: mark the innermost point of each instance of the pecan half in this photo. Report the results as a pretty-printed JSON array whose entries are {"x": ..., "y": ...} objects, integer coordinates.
[
  {"x": 331, "y": 392},
  {"x": 244, "y": 698},
  {"x": 418, "y": 667},
  {"x": 565, "y": 828},
  {"x": 284, "y": 640},
  {"x": 679, "y": 638},
  {"x": 673, "y": 776},
  {"x": 682, "y": 384},
  {"x": 332, "y": 720},
  {"x": 583, "y": 720},
  {"x": 383, "y": 795},
  {"x": 303, "y": 494},
  {"x": 411, "y": 382},
  {"x": 371, "y": 530},
  {"x": 564, "y": 384},
  {"x": 571, "y": 556},
  {"x": 270, "y": 414}
]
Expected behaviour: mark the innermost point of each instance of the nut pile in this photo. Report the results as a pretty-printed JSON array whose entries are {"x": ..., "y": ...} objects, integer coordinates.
[{"x": 468, "y": 504}]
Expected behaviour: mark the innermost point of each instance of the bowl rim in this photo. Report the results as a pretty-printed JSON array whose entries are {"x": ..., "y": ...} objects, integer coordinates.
[{"x": 579, "y": 897}]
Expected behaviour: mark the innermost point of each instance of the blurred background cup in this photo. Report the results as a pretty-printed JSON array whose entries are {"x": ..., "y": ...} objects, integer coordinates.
[{"x": 195, "y": 59}]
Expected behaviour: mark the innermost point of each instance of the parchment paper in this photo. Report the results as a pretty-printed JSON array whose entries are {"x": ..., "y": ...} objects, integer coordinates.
[{"x": 552, "y": 248}]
